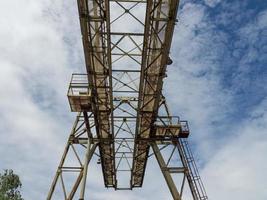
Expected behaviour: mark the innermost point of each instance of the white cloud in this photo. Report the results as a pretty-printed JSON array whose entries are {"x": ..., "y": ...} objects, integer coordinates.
[
  {"x": 194, "y": 89},
  {"x": 239, "y": 168},
  {"x": 34, "y": 75},
  {"x": 212, "y": 3},
  {"x": 235, "y": 167}
]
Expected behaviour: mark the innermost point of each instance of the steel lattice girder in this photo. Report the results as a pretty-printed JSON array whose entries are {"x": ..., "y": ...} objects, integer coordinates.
[
  {"x": 159, "y": 27},
  {"x": 94, "y": 20}
]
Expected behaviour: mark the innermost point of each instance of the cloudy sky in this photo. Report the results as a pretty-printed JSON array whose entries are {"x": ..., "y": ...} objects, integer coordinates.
[{"x": 218, "y": 82}]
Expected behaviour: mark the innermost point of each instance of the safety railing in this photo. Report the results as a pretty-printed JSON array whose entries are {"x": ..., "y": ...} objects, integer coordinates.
[
  {"x": 79, "y": 93},
  {"x": 171, "y": 126}
]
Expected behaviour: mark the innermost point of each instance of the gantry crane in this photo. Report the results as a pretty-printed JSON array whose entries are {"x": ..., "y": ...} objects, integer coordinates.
[{"x": 123, "y": 117}]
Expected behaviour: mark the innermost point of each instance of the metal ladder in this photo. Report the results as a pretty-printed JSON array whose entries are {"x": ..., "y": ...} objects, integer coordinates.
[{"x": 193, "y": 176}]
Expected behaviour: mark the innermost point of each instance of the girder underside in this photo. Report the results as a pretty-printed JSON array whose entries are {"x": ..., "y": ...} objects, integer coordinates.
[
  {"x": 142, "y": 55},
  {"x": 160, "y": 21},
  {"x": 126, "y": 71},
  {"x": 94, "y": 19}
]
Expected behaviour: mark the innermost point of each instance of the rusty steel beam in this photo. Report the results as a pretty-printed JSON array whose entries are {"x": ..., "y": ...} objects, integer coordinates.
[
  {"x": 94, "y": 19},
  {"x": 159, "y": 27}
]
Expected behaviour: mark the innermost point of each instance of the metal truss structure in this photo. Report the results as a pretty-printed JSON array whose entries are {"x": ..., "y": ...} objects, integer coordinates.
[{"x": 123, "y": 117}]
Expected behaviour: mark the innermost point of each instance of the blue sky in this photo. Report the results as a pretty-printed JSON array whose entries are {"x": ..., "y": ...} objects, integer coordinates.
[
  {"x": 218, "y": 82},
  {"x": 243, "y": 57}
]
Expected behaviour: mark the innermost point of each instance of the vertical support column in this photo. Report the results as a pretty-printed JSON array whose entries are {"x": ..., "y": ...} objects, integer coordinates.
[
  {"x": 58, "y": 173},
  {"x": 184, "y": 164},
  {"x": 89, "y": 153},
  {"x": 165, "y": 172},
  {"x": 55, "y": 180}
]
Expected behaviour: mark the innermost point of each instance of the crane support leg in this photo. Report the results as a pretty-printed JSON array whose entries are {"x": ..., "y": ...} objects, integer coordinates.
[
  {"x": 71, "y": 166},
  {"x": 166, "y": 173},
  {"x": 89, "y": 153},
  {"x": 176, "y": 161}
]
